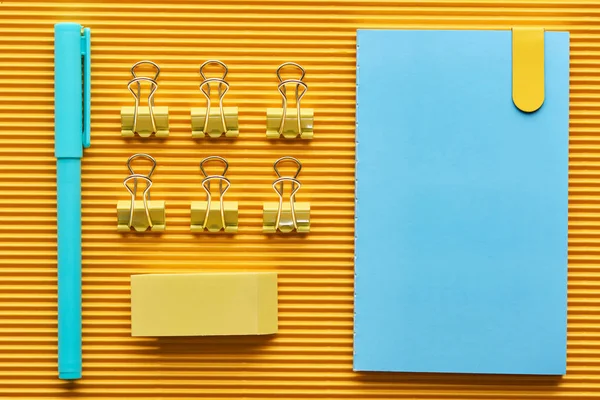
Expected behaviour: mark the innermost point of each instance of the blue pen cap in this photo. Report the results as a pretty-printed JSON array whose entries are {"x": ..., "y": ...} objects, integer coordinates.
[{"x": 70, "y": 52}]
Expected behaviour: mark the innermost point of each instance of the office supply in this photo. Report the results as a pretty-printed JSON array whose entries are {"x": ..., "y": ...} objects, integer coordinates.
[
  {"x": 289, "y": 216},
  {"x": 467, "y": 272},
  {"x": 140, "y": 215},
  {"x": 289, "y": 122},
  {"x": 210, "y": 121},
  {"x": 72, "y": 71},
  {"x": 211, "y": 215},
  {"x": 202, "y": 304},
  {"x": 528, "y": 68},
  {"x": 149, "y": 119}
]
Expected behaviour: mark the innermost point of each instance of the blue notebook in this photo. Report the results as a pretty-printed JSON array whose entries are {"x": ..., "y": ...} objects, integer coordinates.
[{"x": 461, "y": 206}]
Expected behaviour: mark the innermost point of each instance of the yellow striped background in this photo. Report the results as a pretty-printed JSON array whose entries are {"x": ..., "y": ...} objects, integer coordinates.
[{"x": 311, "y": 357}]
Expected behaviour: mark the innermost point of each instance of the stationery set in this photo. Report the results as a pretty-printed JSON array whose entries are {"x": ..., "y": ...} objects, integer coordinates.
[{"x": 461, "y": 201}]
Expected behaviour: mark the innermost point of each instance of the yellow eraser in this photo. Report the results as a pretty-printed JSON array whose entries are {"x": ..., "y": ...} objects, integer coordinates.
[{"x": 204, "y": 304}]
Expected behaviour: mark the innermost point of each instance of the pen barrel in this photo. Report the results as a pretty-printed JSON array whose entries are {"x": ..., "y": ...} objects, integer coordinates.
[
  {"x": 68, "y": 95},
  {"x": 68, "y": 111},
  {"x": 68, "y": 174}
]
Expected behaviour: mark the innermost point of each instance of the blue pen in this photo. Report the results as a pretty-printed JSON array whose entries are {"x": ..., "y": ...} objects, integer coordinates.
[{"x": 72, "y": 133}]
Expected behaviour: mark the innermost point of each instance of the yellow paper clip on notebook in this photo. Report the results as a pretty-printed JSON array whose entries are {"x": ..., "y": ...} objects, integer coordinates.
[
  {"x": 212, "y": 121},
  {"x": 140, "y": 215},
  {"x": 290, "y": 122},
  {"x": 286, "y": 217},
  {"x": 145, "y": 120},
  {"x": 212, "y": 215}
]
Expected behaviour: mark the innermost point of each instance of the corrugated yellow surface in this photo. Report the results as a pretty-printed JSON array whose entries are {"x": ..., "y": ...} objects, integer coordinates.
[{"x": 311, "y": 357}]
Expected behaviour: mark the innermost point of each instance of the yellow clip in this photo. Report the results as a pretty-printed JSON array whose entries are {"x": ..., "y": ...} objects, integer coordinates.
[
  {"x": 214, "y": 216},
  {"x": 528, "y": 68},
  {"x": 289, "y": 122},
  {"x": 144, "y": 120},
  {"x": 140, "y": 215},
  {"x": 287, "y": 217},
  {"x": 211, "y": 121}
]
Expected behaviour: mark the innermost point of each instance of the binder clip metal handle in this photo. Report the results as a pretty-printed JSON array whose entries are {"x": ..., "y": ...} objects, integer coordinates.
[
  {"x": 284, "y": 159},
  {"x": 222, "y": 191},
  {"x": 217, "y": 62},
  {"x": 208, "y": 62},
  {"x": 299, "y": 95},
  {"x": 138, "y": 119},
  {"x": 152, "y": 168},
  {"x": 153, "y": 88},
  {"x": 212, "y": 159},
  {"x": 290, "y": 64},
  {"x": 205, "y": 88},
  {"x": 206, "y": 122},
  {"x": 129, "y": 213},
  {"x": 146, "y": 62},
  {"x": 204, "y": 215},
  {"x": 279, "y": 121},
  {"x": 135, "y": 177},
  {"x": 295, "y": 187},
  {"x": 282, "y": 88},
  {"x": 142, "y": 155},
  {"x": 281, "y": 217}
]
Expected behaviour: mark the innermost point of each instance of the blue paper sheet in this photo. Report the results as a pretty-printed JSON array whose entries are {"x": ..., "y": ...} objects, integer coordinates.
[{"x": 461, "y": 209}]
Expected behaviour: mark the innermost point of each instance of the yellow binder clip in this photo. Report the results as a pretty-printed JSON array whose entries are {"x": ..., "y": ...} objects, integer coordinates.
[
  {"x": 212, "y": 121},
  {"x": 286, "y": 217},
  {"x": 210, "y": 215},
  {"x": 288, "y": 122},
  {"x": 144, "y": 120},
  {"x": 140, "y": 215}
]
